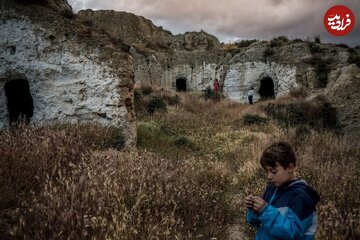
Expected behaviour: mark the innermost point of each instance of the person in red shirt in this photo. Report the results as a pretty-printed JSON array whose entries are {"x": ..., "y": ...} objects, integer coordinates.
[{"x": 216, "y": 86}]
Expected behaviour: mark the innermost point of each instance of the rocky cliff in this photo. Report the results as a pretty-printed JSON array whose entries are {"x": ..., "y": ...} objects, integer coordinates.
[
  {"x": 70, "y": 72},
  {"x": 83, "y": 67},
  {"x": 192, "y": 61}
]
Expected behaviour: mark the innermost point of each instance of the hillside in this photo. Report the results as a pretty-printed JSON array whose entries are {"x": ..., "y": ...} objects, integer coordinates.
[
  {"x": 127, "y": 140},
  {"x": 195, "y": 59},
  {"x": 195, "y": 162}
]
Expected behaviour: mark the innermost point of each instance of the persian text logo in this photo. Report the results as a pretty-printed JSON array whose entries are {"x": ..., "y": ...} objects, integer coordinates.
[{"x": 339, "y": 20}]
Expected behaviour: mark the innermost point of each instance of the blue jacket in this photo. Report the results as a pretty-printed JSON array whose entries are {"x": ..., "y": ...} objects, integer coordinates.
[{"x": 289, "y": 214}]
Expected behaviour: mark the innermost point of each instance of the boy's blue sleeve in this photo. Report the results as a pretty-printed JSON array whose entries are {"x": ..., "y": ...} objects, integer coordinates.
[
  {"x": 286, "y": 226},
  {"x": 252, "y": 218}
]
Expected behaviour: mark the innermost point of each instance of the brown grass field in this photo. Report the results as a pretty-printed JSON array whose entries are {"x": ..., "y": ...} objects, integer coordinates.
[{"x": 194, "y": 162}]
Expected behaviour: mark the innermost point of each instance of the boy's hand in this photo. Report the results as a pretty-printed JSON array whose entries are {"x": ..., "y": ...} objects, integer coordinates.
[
  {"x": 258, "y": 204},
  {"x": 249, "y": 201}
]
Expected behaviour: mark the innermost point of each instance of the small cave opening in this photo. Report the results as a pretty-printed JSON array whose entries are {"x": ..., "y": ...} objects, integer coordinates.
[
  {"x": 266, "y": 90},
  {"x": 19, "y": 101},
  {"x": 181, "y": 84}
]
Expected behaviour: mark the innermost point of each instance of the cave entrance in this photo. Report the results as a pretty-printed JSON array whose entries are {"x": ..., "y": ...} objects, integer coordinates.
[
  {"x": 266, "y": 90},
  {"x": 19, "y": 101},
  {"x": 181, "y": 84}
]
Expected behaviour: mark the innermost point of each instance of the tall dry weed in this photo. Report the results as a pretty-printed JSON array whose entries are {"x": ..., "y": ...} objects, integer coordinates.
[{"x": 114, "y": 195}]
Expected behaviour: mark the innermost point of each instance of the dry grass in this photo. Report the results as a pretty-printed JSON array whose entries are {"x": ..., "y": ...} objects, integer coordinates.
[{"x": 194, "y": 165}]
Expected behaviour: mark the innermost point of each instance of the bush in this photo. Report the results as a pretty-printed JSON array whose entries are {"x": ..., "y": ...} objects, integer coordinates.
[
  {"x": 322, "y": 69},
  {"x": 146, "y": 90},
  {"x": 268, "y": 52},
  {"x": 249, "y": 119},
  {"x": 209, "y": 93},
  {"x": 182, "y": 141},
  {"x": 315, "y": 49},
  {"x": 343, "y": 45},
  {"x": 317, "y": 114},
  {"x": 156, "y": 103},
  {"x": 171, "y": 100},
  {"x": 317, "y": 39},
  {"x": 298, "y": 40},
  {"x": 279, "y": 41},
  {"x": 354, "y": 57},
  {"x": 116, "y": 138},
  {"x": 299, "y": 92},
  {"x": 244, "y": 43}
]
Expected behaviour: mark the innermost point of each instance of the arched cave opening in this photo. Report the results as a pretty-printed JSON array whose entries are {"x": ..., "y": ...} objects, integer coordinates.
[
  {"x": 266, "y": 90},
  {"x": 19, "y": 100},
  {"x": 181, "y": 84}
]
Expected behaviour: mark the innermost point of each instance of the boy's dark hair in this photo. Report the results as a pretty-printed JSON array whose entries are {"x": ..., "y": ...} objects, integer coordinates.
[{"x": 279, "y": 152}]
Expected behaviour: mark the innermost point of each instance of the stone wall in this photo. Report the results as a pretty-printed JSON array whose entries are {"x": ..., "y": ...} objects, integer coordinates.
[
  {"x": 74, "y": 74},
  {"x": 242, "y": 76}
]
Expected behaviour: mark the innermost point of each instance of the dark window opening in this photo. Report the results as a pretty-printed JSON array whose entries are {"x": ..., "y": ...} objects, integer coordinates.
[
  {"x": 19, "y": 101},
  {"x": 266, "y": 90},
  {"x": 11, "y": 50},
  {"x": 181, "y": 84}
]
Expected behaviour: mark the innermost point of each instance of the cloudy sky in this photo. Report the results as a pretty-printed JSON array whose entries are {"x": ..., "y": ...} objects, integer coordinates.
[{"x": 236, "y": 19}]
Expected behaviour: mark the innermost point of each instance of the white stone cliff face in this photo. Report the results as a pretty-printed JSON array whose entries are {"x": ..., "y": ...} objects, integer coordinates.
[
  {"x": 237, "y": 78},
  {"x": 65, "y": 86},
  {"x": 241, "y": 77}
]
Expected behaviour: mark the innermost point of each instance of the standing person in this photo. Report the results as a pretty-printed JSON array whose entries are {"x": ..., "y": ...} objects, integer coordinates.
[
  {"x": 287, "y": 209},
  {"x": 216, "y": 89},
  {"x": 250, "y": 95},
  {"x": 216, "y": 86}
]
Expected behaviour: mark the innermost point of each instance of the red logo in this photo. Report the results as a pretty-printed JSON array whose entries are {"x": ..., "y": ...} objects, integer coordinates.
[{"x": 339, "y": 20}]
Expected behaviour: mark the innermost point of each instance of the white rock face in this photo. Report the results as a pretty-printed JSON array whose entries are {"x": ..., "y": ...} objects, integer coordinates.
[
  {"x": 241, "y": 77},
  {"x": 64, "y": 86},
  {"x": 197, "y": 78}
]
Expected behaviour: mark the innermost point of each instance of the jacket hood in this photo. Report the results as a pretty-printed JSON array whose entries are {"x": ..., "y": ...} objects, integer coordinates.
[{"x": 300, "y": 183}]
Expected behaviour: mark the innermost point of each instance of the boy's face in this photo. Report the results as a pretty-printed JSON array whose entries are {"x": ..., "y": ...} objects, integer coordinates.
[{"x": 279, "y": 175}]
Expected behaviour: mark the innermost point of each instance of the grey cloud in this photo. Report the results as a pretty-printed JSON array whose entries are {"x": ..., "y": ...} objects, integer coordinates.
[{"x": 262, "y": 19}]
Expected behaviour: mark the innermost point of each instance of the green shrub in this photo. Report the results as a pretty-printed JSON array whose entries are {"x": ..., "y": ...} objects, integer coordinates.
[
  {"x": 279, "y": 41},
  {"x": 354, "y": 57},
  {"x": 315, "y": 49},
  {"x": 317, "y": 114},
  {"x": 343, "y": 45},
  {"x": 317, "y": 39},
  {"x": 244, "y": 43},
  {"x": 249, "y": 119},
  {"x": 116, "y": 138},
  {"x": 302, "y": 131},
  {"x": 171, "y": 100},
  {"x": 322, "y": 69},
  {"x": 209, "y": 92},
  {"x": 298, "y": 40},
  {"x": 146, "y": 90},
  {"x": 156, "y": 103},
  {"x": 182, "y": 141},
  {"x": 268, "y": 52}
]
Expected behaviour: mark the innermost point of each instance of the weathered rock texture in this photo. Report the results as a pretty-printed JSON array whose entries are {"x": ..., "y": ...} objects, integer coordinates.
[
  {"x": 82, "y": 69},
  {"x": 344, "y": 94},
  {"x": 75, "y": 73},
  {"x": 195, "y": 59}
]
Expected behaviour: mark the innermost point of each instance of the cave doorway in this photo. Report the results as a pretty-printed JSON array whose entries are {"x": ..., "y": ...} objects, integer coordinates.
[
  {"x": 181, "y": 84},
  {"x": 19, "y": 101},
  {"x": 266, "y": 90}
]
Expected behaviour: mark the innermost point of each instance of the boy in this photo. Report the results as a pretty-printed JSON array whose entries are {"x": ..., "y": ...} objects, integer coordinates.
[{"x": 288, "y": 207}]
